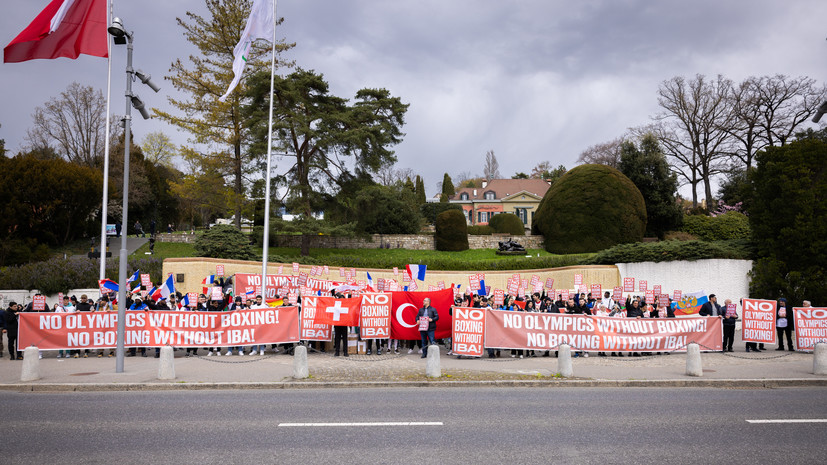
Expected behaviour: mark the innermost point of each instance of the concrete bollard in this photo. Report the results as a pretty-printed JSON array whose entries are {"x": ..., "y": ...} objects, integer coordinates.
[
  {"x": 300, "y": 370},
  {"x": 31, "y": 364},
  {"x": 820, "y": 359},
  {"x": 432, "y": 368},
  {"x": 166, "y": 364},
  {"x": 694, "y": 367},
  {"x": 564, "y": 366}
]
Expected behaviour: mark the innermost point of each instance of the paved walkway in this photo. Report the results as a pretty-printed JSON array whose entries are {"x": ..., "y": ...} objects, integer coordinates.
[{"x": 132, "y": 244}]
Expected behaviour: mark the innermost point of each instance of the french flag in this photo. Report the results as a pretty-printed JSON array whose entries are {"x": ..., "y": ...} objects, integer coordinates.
[
  {"x": 109, "y": 284},
  {"x": 168, "y": 287},
  {"x": 185, "y": 302},
  {"x": 416, "y": 271},
  {"x": 154, "y": 293},
  {"x": 136, "y": 275}
]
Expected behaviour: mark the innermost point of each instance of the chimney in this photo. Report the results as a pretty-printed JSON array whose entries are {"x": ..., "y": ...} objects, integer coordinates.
[
  {"x": 484, "y": 183},
  {"x": 475, "y": 192}
]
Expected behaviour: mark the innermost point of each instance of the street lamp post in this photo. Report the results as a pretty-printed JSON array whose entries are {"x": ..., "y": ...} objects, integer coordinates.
[{"x": 122, "y": 36}]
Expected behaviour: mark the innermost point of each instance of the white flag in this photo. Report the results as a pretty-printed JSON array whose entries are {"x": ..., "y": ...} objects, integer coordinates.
[{"x": 260, "y": 25}]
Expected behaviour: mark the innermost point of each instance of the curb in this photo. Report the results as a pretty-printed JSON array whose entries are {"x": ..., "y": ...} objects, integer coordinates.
[{"x": 573, "y": 383}]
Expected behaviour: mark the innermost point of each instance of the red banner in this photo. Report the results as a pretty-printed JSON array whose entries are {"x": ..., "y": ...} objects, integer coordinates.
[
  {"x": 544, "y": 331},
  {"x": 758, "y": 324},
  {"x": 406, "y": 305},
  {"x": 274, "y": 282},
  {"x": 375, "y": 316},
  {"x": 96, "y": 330},
  {"x": 810, "y": 327},
  {"x": 468, "y": 331},
  {"x": 332, "y": 311},
  {"x": 310, "y": 330}
]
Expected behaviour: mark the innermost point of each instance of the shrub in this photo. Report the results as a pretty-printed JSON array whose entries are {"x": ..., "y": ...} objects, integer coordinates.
[
  {"x": 451, "y": 231},
  {"x": 61, "y": 274},
  {"x": 591, "y": 208},
  {"x": 507, "y": 223},
  {"x": 383, "y": 210},
  {"x": 480, "y": 230},
  {"x": 730, "y": 225},
  {"x": 224, "y": 241},
  {"x": 679, "y": 236},
  {"x": 431, "y": 210},
  {"x": 673, "y": 250}
]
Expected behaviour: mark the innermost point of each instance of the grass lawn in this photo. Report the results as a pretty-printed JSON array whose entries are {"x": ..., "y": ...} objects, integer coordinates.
[
  {"x": 480, "y": 259},
  {"x": 166, "y": 250}
]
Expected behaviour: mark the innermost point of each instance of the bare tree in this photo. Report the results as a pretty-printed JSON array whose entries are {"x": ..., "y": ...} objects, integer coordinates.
[
  {"x": 745, "y": 130},
  {"x": 73, "y": 125},
  {"x": 785, "y": 104},
  {"x": 693, "y": 130},
  {"x": 605, "y": 153},
  {"x": 492, "y": 167},
  {"x": 387, "y": 175}
]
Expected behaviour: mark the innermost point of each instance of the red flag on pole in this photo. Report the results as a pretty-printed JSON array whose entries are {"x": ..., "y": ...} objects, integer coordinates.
[{"x": 65, "y": 28}]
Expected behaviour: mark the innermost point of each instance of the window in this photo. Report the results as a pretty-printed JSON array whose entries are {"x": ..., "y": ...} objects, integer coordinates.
[
  {"x": 489, "y": 195},
  {"x": 463, "y": 196},
  {"x": 522, "y": 213}
]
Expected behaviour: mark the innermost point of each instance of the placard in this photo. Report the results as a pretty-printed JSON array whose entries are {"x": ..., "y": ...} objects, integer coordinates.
[
  {"x": 628, "y": 284},
  {"x": 219, "y": 270}
]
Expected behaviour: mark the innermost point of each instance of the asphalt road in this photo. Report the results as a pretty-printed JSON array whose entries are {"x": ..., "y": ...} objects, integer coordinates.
[{"x": 560, "y": 425}]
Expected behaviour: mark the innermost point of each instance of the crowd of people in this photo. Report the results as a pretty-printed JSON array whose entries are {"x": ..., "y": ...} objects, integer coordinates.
[{"x": 577, "y": 303}]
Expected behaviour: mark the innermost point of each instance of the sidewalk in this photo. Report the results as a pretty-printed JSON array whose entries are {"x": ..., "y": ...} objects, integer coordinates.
[
  {"x": 132, "y": 244},
  {"x": 738, "y": 369}
]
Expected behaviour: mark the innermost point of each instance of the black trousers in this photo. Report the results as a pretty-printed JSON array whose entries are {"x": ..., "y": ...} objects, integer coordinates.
[
  {"x": 729, "y": 337},
  {"x": 13, "y": 352},
  {"x": 340, "y": 335},
  {"x": 369, "y": 343},
  {"x": 789, "y": 332}
]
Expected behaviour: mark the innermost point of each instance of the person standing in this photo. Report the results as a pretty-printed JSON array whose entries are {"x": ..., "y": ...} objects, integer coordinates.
[
  {"x": 139, "y": 229},
  {"x": 118, "y": 230},
  {"x": 729, "y": 326},
  {"x": 784, "y": 325},
  {"x": 711, "y": 307},
  {"x": 431, "y": 315},
  {"x": 10, "y": 328}
]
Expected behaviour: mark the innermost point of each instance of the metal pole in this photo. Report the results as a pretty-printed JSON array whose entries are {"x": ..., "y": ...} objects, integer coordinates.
[
  {"x": 266, "y": 237},
  {"x": 104, "y": 207},
  {"x": 122, "y": 284}
]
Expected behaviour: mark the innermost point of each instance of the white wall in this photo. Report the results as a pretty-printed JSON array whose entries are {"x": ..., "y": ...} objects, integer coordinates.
[{"x": 725, "y": 278}]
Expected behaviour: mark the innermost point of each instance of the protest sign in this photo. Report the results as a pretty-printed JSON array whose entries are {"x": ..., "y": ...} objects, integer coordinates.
[{"x": 468, "y": 331}]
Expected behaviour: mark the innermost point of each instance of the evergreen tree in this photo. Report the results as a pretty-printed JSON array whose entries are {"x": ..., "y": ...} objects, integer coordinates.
[
  {"x": 420, "y": 191},
  {"x": 447, "y": 188},
  {"x": 649, "y": 171}
]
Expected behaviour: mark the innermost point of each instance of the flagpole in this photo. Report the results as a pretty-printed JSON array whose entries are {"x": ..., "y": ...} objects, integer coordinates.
[
  {"x": 104, "y": 207},
  {"x": 266, "y": 238}
]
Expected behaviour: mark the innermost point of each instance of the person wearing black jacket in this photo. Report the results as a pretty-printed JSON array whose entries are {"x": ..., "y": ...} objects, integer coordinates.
[
  {"x": 729, "y": 327},
  {"x": 428, "y": 335},
  {"x": 711, "y": 307},
  {"x": 10, "y": 328},
  {"x": 784, "y": 324}
]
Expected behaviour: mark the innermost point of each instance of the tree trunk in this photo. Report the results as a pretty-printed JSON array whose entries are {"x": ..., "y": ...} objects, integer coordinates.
[
  {"x": 239, "y": 188},
  {"x": 305, "y": 248}
]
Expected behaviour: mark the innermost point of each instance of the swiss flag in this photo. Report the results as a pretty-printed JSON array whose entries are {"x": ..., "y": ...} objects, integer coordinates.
[
  {"x": 405, "y": 306},
  {"x": 332, "y": 311},
  {"x": 65, "y": 28}
]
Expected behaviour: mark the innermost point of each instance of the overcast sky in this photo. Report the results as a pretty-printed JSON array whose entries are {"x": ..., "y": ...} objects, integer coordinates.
[{"x": 532, "y": 80}]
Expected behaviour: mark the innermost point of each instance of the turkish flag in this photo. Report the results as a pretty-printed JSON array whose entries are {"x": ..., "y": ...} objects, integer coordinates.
[
  {"x": 332, "y": 311},
  {"x": 406, "y": 305},
  {"x": 65, "y": 28}
]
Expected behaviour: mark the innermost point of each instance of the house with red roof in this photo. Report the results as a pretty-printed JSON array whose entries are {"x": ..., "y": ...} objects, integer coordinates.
[{"x": 518, "y": 196}]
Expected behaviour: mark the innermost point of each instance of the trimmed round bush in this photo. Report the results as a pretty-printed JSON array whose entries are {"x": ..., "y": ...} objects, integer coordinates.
[
  {"x": 591, "y": 208},
  {"x": 451, "y": 231},
  {"x": 508, "y": 223}
]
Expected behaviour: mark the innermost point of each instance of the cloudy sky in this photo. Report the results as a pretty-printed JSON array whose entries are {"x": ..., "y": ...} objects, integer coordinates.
[{"x": 532, "y": 80}]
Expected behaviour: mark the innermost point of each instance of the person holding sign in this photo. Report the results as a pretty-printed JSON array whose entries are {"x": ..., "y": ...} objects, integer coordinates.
[
  {"x": 784, "y": 325},
  {"x": 730, "y": 317},
  {"x": 427, "y": 317},
  {"x": 9, "y": 321}
]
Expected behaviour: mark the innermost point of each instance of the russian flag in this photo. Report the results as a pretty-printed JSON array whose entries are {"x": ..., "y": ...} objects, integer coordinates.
[
  {"x": 108, "y": 284},
  {"x": 136, "y": 275},
  {"x": 168, "y": 287},
  {"x": 416, "y": 271}
]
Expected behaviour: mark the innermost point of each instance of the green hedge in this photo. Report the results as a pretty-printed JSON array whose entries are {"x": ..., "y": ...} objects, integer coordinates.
[
  {"x": 480, "y": 230},
  {"x": 61, "y": 274},
  {"x": 224, "y": 241},
  {"x": 451, "y": 231},
  {"x": 431, "y": 210},
  {"x": 446, "y": 263},
  {"x": 507, "y": 223},
  {"x": 731, "y": 225},
  {"x": 673, "y": 250}
]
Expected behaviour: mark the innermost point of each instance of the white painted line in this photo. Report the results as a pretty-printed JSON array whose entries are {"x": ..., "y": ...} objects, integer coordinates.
[
  {"x": 373, "y": 423},
  {"x": 791, "y": 420}
]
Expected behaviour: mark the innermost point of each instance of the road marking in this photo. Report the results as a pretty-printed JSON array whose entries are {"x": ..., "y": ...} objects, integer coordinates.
[
  {"x": 372, "y": 423},
  {"x": 791, "y": 420}
]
